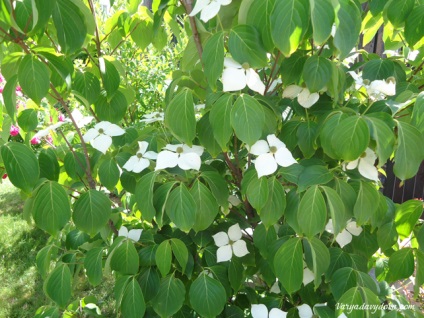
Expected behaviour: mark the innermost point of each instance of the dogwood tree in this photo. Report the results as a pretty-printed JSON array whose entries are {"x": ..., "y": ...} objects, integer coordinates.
[{"x": 253, "y": 190}]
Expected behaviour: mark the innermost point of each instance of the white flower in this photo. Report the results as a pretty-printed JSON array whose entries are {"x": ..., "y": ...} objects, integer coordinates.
[
  {"x": 230, "y": 243},
  {"x": 275, "y": 288},
  {"x": 209, "y": 8},
  {"x": 132, "y": 234},
  {"x": 308, "y": 275},
  {"x": 345, "y": 237},
  {"x": 153, "y": 117},
  {"x": 182, "y": 155},
  {"x": 101, "y": 135},
  {"x": 260, "y": 311},
  {"x": 305, "y": 98},
  {"x": 47, "y": 130},
  {"x": 140, "y": 161},
  {"x": 235, "y": 77},
  {"x": 305, "y": 311},
  {"x": 270, "y": 155},
  {"x": 199, "y": 107},
  {"x": 379, "y": 89},
  {"x": 80, "y": 119},
  {"x": 365, "y": 165}
]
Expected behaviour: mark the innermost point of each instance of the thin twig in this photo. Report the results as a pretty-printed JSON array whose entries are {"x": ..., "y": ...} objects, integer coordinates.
[{"x": 188, "y": 5}]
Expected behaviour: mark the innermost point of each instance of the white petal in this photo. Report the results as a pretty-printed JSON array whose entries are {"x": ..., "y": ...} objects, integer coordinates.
[
  {"x": 344, "y": 238},
  {"x": 224, "y": 253},
  {"x": 151, "y": 155},
  {"x": 42, "y": 133},
  {"x": 142, "y": 147},
  {"x": 277, "y": 313},
  {"x": 227, "y": 2},
  {"x": 284, "y": 157},
  {"x": 370, "y": 156},
  {"x": 254, "y": 81},
  {"x": 259, "y": 311},
  {"x": 90, "y": 134},
  {"x": 166, "y": 159},
  {"x": 210, "y": 11},
  {"x": 240, "y": 248},
  {"x": 305, "y": 311},
  {"x": 260, "y": 147},
  {"x": 291, "y": 91},
  {"x": 329, "y": 227},
  {"x": 123, "y": 231},
  {"x": 173, "y": 147},
  {"x": 275, "y": 288},
  {"x": 130, "y": 164},
  {"x": 188, "y": 161},
  {"x": 114, "y": 130},
  {"x": 221, "y": 239},
  {"x": 306, "y": 99},
  {"x": 342, "y": 315},
  {"x": 229, "y": 62},
  {"x": 135, "y": 234},
  {"x": 194, "y": 149},
  {"x": 353, "y": 228},
  {"x": 386, "y": 88},
  {"x": 368, "y": 170},
  {"x": 273, "y": 141},
  {"x": 200, "y": 4},
  {"x": 308, "y": 276},
  {"x": 101, "y": 143},
  {"x": 233, "y": 79},
  {"x": 265, "y": 165},
  {"x": 141, "y": 165},
  {"x": 352, "y": 165},
  {"x": 234, "y": 232}
]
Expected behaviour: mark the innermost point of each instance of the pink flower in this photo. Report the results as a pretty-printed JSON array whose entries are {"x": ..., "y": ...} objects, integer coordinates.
[
  {"x": 1, "y": 78},
  {"x": 4, "y": 176},
  {"x": 1, "y": 90},
  {"x": 18, "y": 89},
  {"x": 61, "y": 117},
  {"x": 49, "y": 139},
  {"x": 14, "y": 131},
  {"x": 35, "y": 141}
]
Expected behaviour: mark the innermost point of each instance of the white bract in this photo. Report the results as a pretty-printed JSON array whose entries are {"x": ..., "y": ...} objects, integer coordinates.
[
  {"x": 305, "y": 311},
  {"x": 208, "y": 8},
  {"x": 236, "y": 76},
  {"x": 153, "y": 117},
  {"x": 365, "y": 165},
  {"x": 305, "y": 98},
  {"x": 133, "y": 234},
  {"x": 275, "y": 288},
  {"x": 271, "y": 153},
  {"x": 182, "y": 155},
  {"x": 345, "y": 236},
  {"x": 80, "y": 119},
  {"x": 308, "y": 275},
  {"x": 229, "y": 244},
  {"x": 140, "y": 161},
  {"x": 260, "y": 311},
  {"x": 101, "y": 135},
  {"x": 47, "y": 130},
  {"x": 379, "y": 89}
]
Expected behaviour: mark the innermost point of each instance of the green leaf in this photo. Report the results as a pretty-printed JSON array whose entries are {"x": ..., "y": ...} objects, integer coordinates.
[
  {"x": 149, "y": 281},
  {"x": 132, "y": 304},
  {"x": 350, "y": 138},
  {"x": 355, "y": 298},
  {"x": 383, "y": 136},
  {"x": 170, "y": 297},
  {"x": 91, "y": 211},
  {"x": 407, "y": 215},
  {"x": 21, "y": 165},
  {"x": 409, "y": 153},
  {"x": 338, "y": 259},
  {"x": 320, "y": 259},
  {"x": 93, "y": 265},
  {"x": 419, "y": 276},
  {"x": 51, "y": 209},
  {"x": 289, "y": 23},
  {"x": 142, "y": 33},
  {"x": 59, "y": 65},
  {"x": 179, "y": 117},
  {"x": 307, "y": 134},
  {"x": 346, "y": 278},
  {"x": 220, "y": 119},
  {"x": 180, "y": 252},
  {"x": 288, "y": 264},
  {"x": 417, "y": 118},
  {"x": 34, "y": 78},
  {"x": 181, "y": 208},
  {"x": 43, "y": 259},
  {"x": 259, "y": 16},
  {"x": 163, "y": 257},
  {"x": 336, "y": 207},
  {"x": 44, "y": 9},
  {"x": 398, "y": 11},
  {"x": 414, "y": 26},
  {"x": 207, "y": 296},
  {"x": 312, "y": 213},
  {"x": 125, "y": 258},
  {"x": 317, "y": 72},
  {"x": 401, "y": 264},
  {"x": 247, "y": 119},
  {"x": 9, "y": 96},
  {"x": 207, "y": 208},
  {"x": 213, "y": 58},
  {"x": 75, "y": 165},
  {"x": 206, "y": 136},
  {"x": 57, "y": 286},
  {"x": 327, "y": 132},
  {"x": 257, "y": 192},
  {"x": 236, "y": 273},
  {"x": 110, "y": 76},
  {"x": 387, "y": 236},
  {"x": 70, "y": 25},
  {"x": 348, "y": 26},
  {"x": 113, "y": 109},
  {"x": 322, "y": 16},
  {"x": 274, "y": 207},
  {"x": 49, "y": 165},
  {"x": 365, "y": 205},
  {"x": 144, "y": 196},
  {"x": 109, "y": 174},
  {"x": 378, "y": 70},
  {"x": 245, "y": 45},
  {"x": 292, "y": 67},
  {"x": 87, "y": 87},
  {"x": 218, "y": 186}
]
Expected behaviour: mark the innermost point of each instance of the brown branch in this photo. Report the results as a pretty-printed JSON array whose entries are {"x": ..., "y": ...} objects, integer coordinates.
[
  {"x": 416, "y": 71},
  {"x": 93, "y": 12},
  {"x": 188, "y": 5},
  {"x": 272, "y": 75},
  {"x": 124, "y": 39}
]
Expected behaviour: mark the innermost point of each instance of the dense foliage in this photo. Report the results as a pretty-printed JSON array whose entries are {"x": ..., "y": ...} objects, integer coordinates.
[{"x": 245, "y": 181}]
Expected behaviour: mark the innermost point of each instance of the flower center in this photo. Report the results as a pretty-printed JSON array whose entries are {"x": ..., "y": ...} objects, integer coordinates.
[
  {"x": 179, "y": 150},
  {"x": 246, "y": 66},
  {"x": 366, "y": 82},
  {"x": 391, "y": 79},
  {"x": 364, "y": 154},
  {"x": 139, "y": 156},
  {"x": 157, "y": 115},
  {"x": 101, "y": 131},
  {"x": 273, "y": 149}
]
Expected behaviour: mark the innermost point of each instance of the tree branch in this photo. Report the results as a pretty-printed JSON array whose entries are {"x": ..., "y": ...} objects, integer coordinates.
[{"x": 188, "y": 5}]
